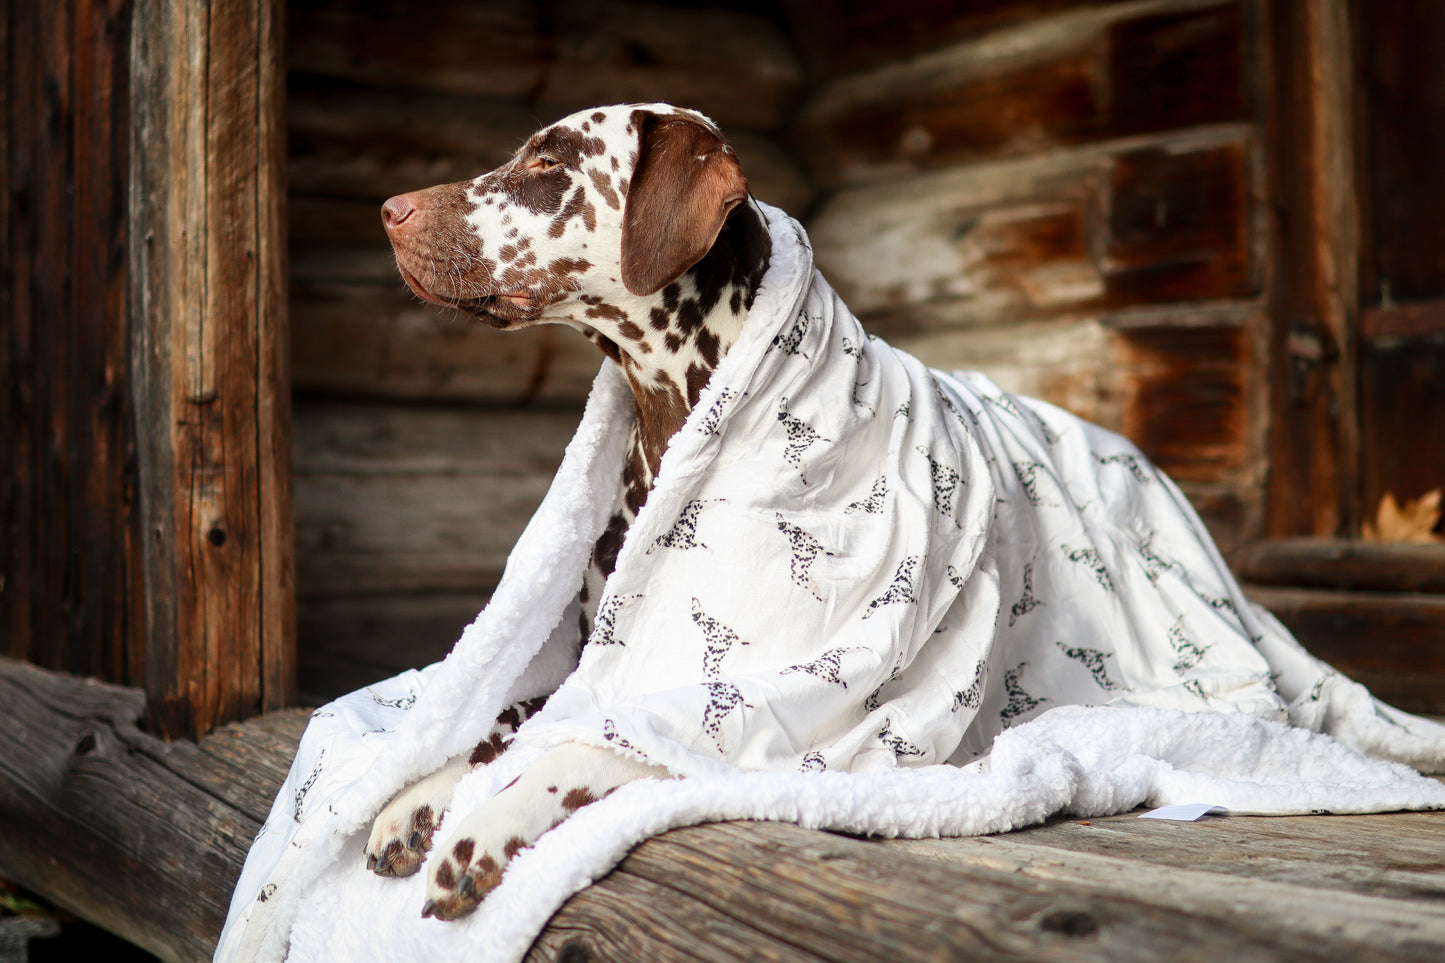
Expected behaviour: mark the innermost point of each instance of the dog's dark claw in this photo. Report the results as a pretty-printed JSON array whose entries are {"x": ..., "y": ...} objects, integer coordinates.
[
  {"x": 429, "y": 909},
  {"x": 414, "y": 841},
  {"x": 465, "y": 886},
  {"x": 371, "y": 862}
]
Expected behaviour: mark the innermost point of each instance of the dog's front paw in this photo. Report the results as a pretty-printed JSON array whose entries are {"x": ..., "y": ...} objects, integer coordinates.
[
  {"x": 564, "y": 780},
  {"x": 402, "y": 833}
]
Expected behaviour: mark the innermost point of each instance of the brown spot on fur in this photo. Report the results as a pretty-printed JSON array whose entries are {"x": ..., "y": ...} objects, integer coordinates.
[
  {"x": 577, "y": 798},
  {"x": 709, "y": 347},
  {"x": 510, "y": 718},
  {"x": 513, "y": 846},
  {"x": 577, "y": 205},
  {"x": 604, "y": 553},
  {"x": 673, "y": 341},
  {"x": 540, "y": 192},
  {"x": 462, "y": 851},
  {"x": 629, "y": 330},
  {"x": 603, "y": 184},
  {"x": 660, "y": 413},
  {"x": 697, "y": 377},
  {"x": 598, "y": 117},
  {"x": 487, "y": 750},
  {"x": 446, "y": 876},
  {"x": 552, "y": 789},
  {"x": 659, "y": 319}
]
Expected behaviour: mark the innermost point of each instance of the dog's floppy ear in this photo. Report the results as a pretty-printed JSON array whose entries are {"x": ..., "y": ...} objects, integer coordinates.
[{"x": 686, "y": 183}]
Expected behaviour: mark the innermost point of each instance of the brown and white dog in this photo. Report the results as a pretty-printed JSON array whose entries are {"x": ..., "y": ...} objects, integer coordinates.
[{"x": 632, "y": 224}]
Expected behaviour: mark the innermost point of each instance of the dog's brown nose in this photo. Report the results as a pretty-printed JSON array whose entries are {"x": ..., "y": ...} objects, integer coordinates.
[{"x": 397, "y": 210}]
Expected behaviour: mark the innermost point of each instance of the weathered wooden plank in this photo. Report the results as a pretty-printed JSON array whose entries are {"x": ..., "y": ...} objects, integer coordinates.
[
  {"x": 1348, "y": 564},
  {"x": 734, "y": 65},
  {"x": 1097, "y": 228},
  {"x": 345, "y": 642},
  {"x": 846, "y": 36},
  {"x": 347, "y": 140},
  {"x": 173, "y": 820},
  {"x": 140, "y": 836},
  {"x": 882, "y": 896},
  {"x": 1395, "y": 857},
  {"x": 1389, "y": 642},
  {"x": 1092, "y": 74},
  {"x": 417, "y": 499},
  {"x": 1314, "y": 242},
  {"x": 365, "y": 340},
  {"x": 67, "y": 532},
  {"x": 209, "y": 341},
  {"x": 1185, "y": 398}
]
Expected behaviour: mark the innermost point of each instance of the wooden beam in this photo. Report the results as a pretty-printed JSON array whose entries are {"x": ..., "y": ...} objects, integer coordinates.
[
  {"x": 209, "y": 348},
  {"x": 86, "y": 799},
  {"x": 1313, "y": 486},
  {"x": 1344, "y": 563}
]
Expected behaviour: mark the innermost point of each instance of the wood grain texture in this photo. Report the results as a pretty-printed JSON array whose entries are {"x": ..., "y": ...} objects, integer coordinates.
[
  {"x": 152, "y": 833},
  {"x": 1314, "y": 237},
  {"x": 1388, "y": 642},
  {"x": 210, "y": 341},
  {"x": 173, "y": 820},
  {"x": 379, "y": 341},
  {"x": 1091, "y": 74},
  {"x": 1345, "y": 564},
  {"x": 392, "y": 499},
  {"x": 68, "y": 532},
  {"x": 1098, "y": 228},
  {"x": 734, "y": 65}
]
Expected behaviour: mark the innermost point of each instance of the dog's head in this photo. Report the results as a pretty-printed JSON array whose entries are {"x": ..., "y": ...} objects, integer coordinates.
[{"x": 596, "y": 212}]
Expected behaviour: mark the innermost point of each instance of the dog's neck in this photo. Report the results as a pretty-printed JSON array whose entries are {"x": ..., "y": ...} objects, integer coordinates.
[{"x": 669, "y": 344}]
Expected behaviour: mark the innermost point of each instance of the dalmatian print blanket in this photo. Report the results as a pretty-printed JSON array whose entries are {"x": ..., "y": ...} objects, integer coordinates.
[{"x": 862, "y": 595}]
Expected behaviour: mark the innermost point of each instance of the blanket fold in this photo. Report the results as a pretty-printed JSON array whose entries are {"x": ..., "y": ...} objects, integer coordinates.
[{"x": 862, "y": 595}]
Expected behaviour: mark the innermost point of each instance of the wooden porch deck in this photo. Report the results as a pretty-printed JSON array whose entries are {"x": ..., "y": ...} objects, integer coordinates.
[{"x": 154, "y": 834}]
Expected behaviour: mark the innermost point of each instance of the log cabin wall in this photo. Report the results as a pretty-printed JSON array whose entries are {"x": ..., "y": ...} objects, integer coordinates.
[
  {"x": 423, "y": 441},
  {"x": 1063, "y": 194}
]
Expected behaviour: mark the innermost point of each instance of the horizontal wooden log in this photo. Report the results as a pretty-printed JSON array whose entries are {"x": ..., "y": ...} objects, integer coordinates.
[
  {"x": 847, "y": 36},
  {"x": 87, "y": 800},
  {"x": 345, "y": 642},
  {"x": 1348, "y": 564},
  {"x": 1101, "y": 228},
  {"x": 761, "y": 897},
  {"x": 140, "y": 836},
  {"x": 393, "y": 499},
  {"x": 1389, "y": 642},
  {"x": 1092, "y": 74},
  {"x": 379, "y": 341},
  {"x": 346, "y": 140},
  {"x": 734, "y": 65}
]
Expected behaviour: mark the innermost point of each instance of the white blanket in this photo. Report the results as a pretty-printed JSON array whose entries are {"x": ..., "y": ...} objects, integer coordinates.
[{"x": 862, "y": 595}]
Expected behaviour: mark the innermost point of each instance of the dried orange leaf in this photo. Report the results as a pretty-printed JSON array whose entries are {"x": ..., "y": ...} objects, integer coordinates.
[{"x": 1413, "y": 522}]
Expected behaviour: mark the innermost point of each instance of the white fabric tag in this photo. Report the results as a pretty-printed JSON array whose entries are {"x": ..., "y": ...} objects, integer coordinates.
[{"x": 1184, "y": 812}]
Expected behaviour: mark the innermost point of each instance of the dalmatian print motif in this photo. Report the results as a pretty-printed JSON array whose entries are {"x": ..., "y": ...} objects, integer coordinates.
[
  {"x": 954, "y": 578},
  {"x": 1019, "y": 701},
  {"x": 945, "y": 482},
  {"x": 723, "y": 698},
  {"x": 873, "y": 504},
  {"x": 901, "y": 747},
  {"x": 813, "y": 762},
  {"x": 901, "y": 591},
  {"x": 972, "y": 697},
  {"x": 1128, "y": 461},
  {"x": 1155, "y": 564},
  {"x": 806, "y": 550},
  {"x": 1027, "y": 472},
  {"x": 302, "y": 790},
  {"x": 801, "y": 437},
  {"x": 683, "y": 533},
  {"x": 710, "y": 421},
  {"x": 790, "y": 341},
  {"x": 613, "y": 737},
  {"x": 1089, "y": 558},
  {"x": 718, "y": 637},
  {"x": 1189, "y": 652},
  {"x": 825, "y": 666},
  {"x": 1093, "y": 660},
  {"x": 1026, "y": 603},
  {"x": 604, "y": 626},
  {"x": 871, "y": 703}
]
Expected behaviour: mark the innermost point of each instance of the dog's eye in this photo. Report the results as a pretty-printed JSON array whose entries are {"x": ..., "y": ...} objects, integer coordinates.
[{"x": 543, "y": 163}]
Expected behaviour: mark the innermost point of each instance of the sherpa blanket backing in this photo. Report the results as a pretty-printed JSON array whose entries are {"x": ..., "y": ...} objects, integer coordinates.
[{"x": 862, "y": 595}]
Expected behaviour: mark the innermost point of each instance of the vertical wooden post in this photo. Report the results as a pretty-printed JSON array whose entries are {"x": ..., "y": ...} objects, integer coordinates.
[
  {"x": 209, "y": 359},
  {"x": 1314, "y": 302}
]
